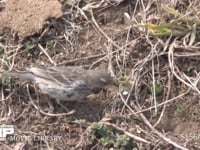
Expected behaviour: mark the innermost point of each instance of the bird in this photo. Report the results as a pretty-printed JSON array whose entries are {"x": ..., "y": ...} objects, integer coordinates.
[{"x": 65, "y": 83}]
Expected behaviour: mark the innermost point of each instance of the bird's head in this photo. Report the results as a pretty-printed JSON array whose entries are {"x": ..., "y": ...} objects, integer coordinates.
[{"x": 98, "y": 79}]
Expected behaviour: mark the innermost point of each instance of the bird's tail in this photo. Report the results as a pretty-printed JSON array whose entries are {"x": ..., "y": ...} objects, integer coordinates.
[{"x": 23, "y": 74}]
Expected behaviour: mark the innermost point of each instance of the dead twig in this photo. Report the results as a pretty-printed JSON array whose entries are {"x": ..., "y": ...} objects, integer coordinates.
[
  {"x": 137, "y": 138},
  {"x": 45, "y": 52}
]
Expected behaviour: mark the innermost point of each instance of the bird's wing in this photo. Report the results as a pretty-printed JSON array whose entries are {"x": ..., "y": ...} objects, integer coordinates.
[
  {"x": 64, "y": 75},
  {"x": 67, "y": 74},
  {"x": 71, "y": 77}
]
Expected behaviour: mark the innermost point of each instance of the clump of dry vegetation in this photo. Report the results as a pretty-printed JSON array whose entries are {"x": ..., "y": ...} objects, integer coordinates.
[{"x": 151, "y": 48}]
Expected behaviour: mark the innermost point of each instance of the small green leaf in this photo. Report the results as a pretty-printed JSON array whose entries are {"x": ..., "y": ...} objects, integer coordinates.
[
  {"x": 107, "y": 141},
  {"x": 29, "y": 45},
  {"x": 1, "y": 49},
  {"x": 100, "y": 130},
  {"x": 179, "y": 111},
  {"x": 158, "y": 89},
  {"x": 50, "y": 44},
  {"x": 123, "y": 79},
  {"x": 172, "y": 11}
]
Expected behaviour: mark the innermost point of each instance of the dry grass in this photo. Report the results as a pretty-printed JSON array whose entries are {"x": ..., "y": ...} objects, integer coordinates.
[{"x": 150, "y": 47}]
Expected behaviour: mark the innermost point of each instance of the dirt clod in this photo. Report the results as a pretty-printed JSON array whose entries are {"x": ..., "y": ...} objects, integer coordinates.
[{"x": 28, "y": 17}]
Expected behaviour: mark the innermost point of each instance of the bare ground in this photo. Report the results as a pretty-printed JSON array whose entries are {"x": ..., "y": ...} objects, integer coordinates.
[{"x": 160, "y": 73}]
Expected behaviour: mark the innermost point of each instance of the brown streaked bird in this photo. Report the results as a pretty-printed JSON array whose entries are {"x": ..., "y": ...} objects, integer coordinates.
[{"x": 65, "y": 83}]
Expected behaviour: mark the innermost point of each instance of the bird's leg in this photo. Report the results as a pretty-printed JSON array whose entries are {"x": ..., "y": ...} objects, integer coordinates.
[
  {"x": 47, "y": 99},
  {"x": 65, "y": 108},
  {"x": 37, "y": 93},
  {"x": 51, "y": 107}
]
